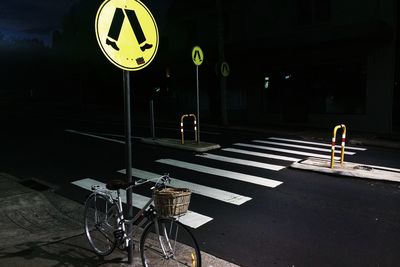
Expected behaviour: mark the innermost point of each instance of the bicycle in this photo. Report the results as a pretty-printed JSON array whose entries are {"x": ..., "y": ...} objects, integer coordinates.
[{"x": 164, "y": 240}]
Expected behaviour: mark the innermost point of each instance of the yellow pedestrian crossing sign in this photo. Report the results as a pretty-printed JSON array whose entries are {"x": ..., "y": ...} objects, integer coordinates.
[
  {"x": 197, "y": 55},
  {"x": 225, "y": 69},
  {"x": 127, "y": 33}
]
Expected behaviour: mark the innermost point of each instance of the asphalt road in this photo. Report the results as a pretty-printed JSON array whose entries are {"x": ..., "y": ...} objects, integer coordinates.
[{"x": 309, "y": 219}]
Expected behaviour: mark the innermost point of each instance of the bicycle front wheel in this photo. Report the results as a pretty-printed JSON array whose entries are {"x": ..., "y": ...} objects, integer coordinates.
[
  {"x": 100, "y": 223},
  {"x": 166, "y": 242}
]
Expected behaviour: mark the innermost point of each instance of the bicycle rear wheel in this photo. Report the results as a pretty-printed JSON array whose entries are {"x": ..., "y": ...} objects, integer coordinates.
[
  {"x": 100, "y": 223},
  {"x": 166, "y": 242}
]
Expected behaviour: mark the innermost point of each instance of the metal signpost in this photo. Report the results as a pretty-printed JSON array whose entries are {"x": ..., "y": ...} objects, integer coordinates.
[
  {"x": 127, "y": 34},
  {"x": 197, "y": 57}
]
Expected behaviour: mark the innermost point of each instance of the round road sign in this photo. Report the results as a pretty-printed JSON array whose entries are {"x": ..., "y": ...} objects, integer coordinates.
[
  {"x": 225, "y": 69},
  {"x": 127, "y": 33},
  {"x": 197, "y": 55}
]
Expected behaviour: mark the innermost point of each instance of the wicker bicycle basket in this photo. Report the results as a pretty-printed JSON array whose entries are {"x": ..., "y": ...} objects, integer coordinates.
[{"x": 172, "y": 202}]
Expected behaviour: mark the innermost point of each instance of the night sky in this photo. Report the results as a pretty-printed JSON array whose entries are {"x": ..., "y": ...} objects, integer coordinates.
[{"x": 27, "y": 19}]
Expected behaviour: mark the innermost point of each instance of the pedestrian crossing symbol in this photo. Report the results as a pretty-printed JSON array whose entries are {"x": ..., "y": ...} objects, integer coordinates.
[
  {"x": 127, "y": 33},
  {"x": 197, "y": 55},
  {"x": 225, "y": 69}
]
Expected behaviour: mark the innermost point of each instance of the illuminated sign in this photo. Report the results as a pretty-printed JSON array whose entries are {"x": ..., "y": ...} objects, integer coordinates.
[
  {"x": 197, "y": 55},
  {"x": 127, "y": 33}
]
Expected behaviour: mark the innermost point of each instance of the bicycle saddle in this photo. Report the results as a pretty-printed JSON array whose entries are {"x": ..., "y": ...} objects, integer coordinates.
[{"x": 118, "y": 184}]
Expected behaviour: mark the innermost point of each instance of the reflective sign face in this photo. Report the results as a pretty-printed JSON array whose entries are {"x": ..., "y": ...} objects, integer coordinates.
[
  {"x": 225, "y": 69},
  {"x": 127, "y": 33},
  {"x": 197, "y": 55}
]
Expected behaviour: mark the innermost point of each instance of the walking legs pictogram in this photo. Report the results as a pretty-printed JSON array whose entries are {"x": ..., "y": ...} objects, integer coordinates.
[{"x": 116, "y": 26}]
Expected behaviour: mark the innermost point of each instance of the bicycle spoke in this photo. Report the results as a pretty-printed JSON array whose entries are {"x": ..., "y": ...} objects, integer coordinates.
[
  {"x": 101, "y": 232},
  {"x": 99, "y": 224},
  {"x": 180, "y": 247}
]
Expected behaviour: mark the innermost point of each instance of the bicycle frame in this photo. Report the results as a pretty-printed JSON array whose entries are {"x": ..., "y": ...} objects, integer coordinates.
[{"x": 121, "y": 220}]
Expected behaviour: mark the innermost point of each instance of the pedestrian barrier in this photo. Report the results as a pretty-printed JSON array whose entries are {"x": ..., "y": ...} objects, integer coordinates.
[
  {"x": 343, "y": 127},
  {"x": 194, "y": 124}
]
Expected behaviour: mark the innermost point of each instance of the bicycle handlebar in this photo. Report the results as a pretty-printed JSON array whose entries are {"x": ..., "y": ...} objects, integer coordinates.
[{"x": 161, "y": 181}]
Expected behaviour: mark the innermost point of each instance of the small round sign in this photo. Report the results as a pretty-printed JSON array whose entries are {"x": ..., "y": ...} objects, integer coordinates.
[
  {"x": 197, "y": 55},
  {"x": 127, "y": 33},
  {"x": 225, "y": 69}
]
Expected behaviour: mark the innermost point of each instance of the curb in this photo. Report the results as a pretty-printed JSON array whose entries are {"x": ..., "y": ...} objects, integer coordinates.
[
  {"x": 175, "y": 143},
  {"x": 349, "y": 169}
]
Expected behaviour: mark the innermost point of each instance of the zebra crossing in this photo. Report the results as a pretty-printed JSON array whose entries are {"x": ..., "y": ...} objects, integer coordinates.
[
  {"x": 206, "y": 191},
  {"x": 242, "y": 162},
  {"x": 280, "y": 151},
  {"x": 224, "y": 173}
]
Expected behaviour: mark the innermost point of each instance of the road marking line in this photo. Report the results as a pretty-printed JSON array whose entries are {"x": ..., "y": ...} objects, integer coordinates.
[
  {"x": 96, "y": 136},
  {"x": 286, "y": 151},
  {"x": 302, "y": 147},
  {"x": 206, "y": 191},
  {"x": 315, "y": 143},
  {"x": 192, "y": 219},
  {"x": 101, "y": 137},
  {"x": 258, "y": 154},
  {"x": 242, "y": 162},
  {"x": 223, "y": 173}
]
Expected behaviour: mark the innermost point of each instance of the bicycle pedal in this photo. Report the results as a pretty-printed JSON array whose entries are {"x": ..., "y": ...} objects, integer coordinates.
[
  {"x": 123, "y": 247},
  {"x": 119, "y": 234}
]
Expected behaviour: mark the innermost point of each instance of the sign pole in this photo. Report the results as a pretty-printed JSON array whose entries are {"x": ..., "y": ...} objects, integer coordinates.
[
  {"x": 198, "y": 105},
  {"x": 197, "y": 57},
  {"x": 152, "y": 128},
  {"x": 128, "y": 155},
  {"x": 131, "y": 52}
]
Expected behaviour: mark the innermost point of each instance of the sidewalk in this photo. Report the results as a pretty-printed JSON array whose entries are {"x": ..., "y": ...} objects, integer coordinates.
[{"x": 41, "y": 228}]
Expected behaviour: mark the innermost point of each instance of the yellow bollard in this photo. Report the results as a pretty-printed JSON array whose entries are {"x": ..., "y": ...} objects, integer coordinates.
[
  {"x": 195, "y": 127},
  {"x": 343, "y": 127}
]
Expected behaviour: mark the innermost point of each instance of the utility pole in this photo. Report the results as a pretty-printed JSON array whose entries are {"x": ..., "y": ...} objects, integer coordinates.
[{"x": 221, "y": 58}]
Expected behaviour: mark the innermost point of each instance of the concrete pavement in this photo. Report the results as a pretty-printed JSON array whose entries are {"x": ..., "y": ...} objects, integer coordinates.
[
  {"x": 349, "y": 169},
  {"x": 41, "y": 228},
  {"x": 176, "y": 143}
]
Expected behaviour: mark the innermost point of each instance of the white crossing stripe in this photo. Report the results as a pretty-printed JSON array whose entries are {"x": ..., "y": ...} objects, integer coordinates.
[
  {"x": 223, "y": 173},
  {"x": 258, "y": 154},
  {"x": 314, "y": 143},
  {"x": 206, "y": 191},
  {"x": 192, "y": 219},
  {"x": 302, "y": 147},
  {"x": 242, "y": 162},
  {"x": 286, "y": 151}
]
